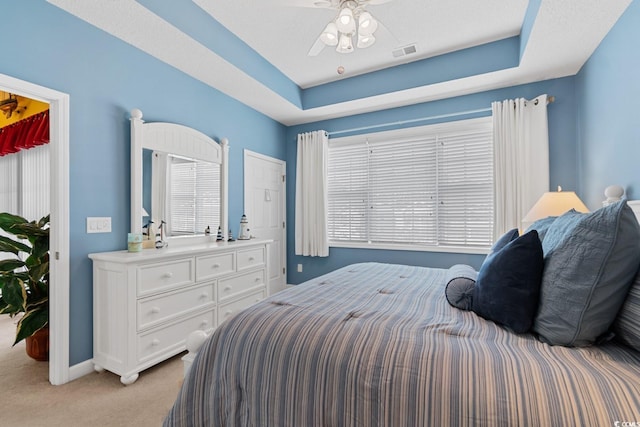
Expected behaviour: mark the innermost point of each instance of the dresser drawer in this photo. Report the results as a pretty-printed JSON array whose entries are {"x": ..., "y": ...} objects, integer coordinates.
[
  {"x": 211, "y": 266},
  {"x": 227, "y": 310},
  {"x": 232, "y": 286},
  {"x": 172, "y": 339},
  {"x": 171, "y": 274},
  {"x": 155, "y": 309},
  {"x": 250, "y": 258}
]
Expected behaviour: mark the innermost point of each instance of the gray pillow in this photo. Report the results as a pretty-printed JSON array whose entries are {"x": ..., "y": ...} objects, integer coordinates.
[
  {"x": 590, "y": 263},
  {"x": 460, "y": 279},
  {"x": 627, "y": 324},
  {"x": 542, "y": 226}
]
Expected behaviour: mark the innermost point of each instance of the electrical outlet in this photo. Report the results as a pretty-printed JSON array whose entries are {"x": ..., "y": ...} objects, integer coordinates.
[
  {"x": 99, "y": 224},
  {"x": 299, "y": 268}
]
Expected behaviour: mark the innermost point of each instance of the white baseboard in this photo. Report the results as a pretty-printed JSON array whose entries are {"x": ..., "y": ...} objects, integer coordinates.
[
  {"x": 80, "y": 370},
  {"x": 290, "y": 286}
]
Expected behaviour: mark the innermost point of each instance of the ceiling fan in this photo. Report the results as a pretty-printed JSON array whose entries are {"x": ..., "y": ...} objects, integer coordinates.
[
  {"x": 352, "y": 20},
  {"x": 9, "y": 105}
]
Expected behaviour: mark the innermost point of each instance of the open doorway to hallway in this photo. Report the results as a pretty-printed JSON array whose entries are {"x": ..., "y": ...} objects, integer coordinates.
[
  {"x": 25, "y": 174},
  {"x": 59, "y": 369}
]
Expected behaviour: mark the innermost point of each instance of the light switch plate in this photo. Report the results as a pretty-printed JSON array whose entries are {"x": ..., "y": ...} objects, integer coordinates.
[{"x": 99, "y": 224}]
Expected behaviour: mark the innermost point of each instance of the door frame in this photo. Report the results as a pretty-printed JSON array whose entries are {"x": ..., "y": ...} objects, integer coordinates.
[
  {"x": 283, "y": 164},
  {"x": 59, "y": 372}
]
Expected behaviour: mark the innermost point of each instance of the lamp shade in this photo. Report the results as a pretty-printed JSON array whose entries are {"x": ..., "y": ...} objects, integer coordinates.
[
  {"x": 330, "y": 35},
  {"x": 554, "y": 203},
  {"x": 365, "y": 41},
  {"x": 346, "y": 22},
  {"x": 367, "y": 25},
  {"x": 345, "y": 45}
]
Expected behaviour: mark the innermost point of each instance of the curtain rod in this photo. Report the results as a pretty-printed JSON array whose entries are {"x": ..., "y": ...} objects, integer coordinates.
[
  {"x": 403, "y": 122},
  {"x": 550, "y": 99}
]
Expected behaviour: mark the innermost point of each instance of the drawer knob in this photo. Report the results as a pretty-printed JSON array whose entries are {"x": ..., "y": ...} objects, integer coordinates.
[
  {"x": 228, "y": 313},
  {"x": 155, "y": 342},
  {"x": 204, "y": 295},
  {"x": 227, "y": 288},
  {"x": 258, "y": 279},
  {"x": 215, "y": 266},
  {"x": 155, "y": 310},
  {"x": 251, "y": 258},
  {"x": 167, "y": 275},
  {"x": 204, "y": 323}
]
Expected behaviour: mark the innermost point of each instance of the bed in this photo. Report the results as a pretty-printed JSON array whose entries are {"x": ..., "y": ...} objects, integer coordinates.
[{"x": 376, "y": 344}]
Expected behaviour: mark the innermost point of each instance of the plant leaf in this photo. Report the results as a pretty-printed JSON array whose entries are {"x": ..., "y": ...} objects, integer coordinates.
[
  {"x": 4, "y": 307},
  {"x": 31, "y": 322},
  {"x": 9, "y": 245},
  {"x": 10, "y": 265},
  {"x": 15, "y": 294},
  {"x": 8, "y": 221},
  {"x": 44, "y": 221}
]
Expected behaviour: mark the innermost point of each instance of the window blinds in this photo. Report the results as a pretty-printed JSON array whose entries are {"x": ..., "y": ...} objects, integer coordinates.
[
  {"x": 190, "y": 214},
  {"x": 433, "y": 188},
  {"x": 24, "y": 183}
]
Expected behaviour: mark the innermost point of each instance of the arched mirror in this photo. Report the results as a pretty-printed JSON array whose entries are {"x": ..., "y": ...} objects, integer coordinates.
[{"x": 179, "y": 177}]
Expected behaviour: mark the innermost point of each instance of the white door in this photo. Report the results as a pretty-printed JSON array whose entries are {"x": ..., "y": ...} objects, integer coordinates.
[{"x": 265, "y": 206}]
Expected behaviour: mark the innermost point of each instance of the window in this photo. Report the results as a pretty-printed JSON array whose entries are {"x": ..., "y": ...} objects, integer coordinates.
[
  {"x": 190, "y": 214},
  {"x": 24, "y": 183},
  {"x": 426, "y": 188}
]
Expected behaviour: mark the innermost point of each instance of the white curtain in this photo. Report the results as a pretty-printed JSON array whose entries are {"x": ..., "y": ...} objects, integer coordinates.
[
  {"x": 521, "y": 159},
  {"x": 160, "y": 189},
  {"x": 312, "y": 237}
]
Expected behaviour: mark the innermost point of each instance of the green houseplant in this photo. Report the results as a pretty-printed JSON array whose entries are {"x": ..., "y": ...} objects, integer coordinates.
[{"x": 24, "y": 276}]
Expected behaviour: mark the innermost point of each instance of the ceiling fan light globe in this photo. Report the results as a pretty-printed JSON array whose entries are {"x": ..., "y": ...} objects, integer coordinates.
[
  {"x": 330, "y": 35},
  {"x": 365, "y": 41},
  {"x": 345, "y": 22},
  {"x": 367, "y": 24},
  {"x": 345, "y": 45}
]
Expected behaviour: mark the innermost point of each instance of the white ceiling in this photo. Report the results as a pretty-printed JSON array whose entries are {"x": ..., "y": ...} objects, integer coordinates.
[
  {"x": 565, "y": 33},
  {"x": 283, "y": 31}
]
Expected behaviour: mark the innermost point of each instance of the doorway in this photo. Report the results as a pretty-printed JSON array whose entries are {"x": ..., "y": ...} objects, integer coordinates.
[
  {"x": 59, "y": 372},
  {"x": 265, "y": 206}
]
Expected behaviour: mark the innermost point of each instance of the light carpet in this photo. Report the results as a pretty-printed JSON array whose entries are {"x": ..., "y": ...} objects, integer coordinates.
[{"x": 97, "y": 399}]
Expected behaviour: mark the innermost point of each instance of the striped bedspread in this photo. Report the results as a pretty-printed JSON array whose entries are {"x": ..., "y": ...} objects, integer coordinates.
[{"x": 377, "y": 345}]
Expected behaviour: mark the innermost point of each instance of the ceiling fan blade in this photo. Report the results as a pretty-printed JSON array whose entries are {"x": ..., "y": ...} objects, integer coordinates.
[
  {"x": 313, "y": 4},
  {"x": 374, "y": 2},
  {"x": 317, "y": 47}
]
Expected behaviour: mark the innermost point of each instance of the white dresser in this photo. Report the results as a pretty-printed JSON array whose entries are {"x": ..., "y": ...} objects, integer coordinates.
[{"x": 145, "y": 304}]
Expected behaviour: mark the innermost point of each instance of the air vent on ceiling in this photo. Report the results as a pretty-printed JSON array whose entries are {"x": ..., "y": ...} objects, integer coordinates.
[{"x": 406, "y": 50}]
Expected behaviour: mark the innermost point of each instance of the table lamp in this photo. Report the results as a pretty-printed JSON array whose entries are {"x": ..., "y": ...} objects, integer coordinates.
[{"x": 553, "y": 203}]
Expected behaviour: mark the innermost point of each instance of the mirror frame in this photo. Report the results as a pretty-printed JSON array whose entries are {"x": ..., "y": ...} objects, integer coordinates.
[{"x": 181, "y": 140}]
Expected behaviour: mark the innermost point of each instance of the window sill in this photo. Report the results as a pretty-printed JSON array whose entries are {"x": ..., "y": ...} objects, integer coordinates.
[{"x": 401, "y": 247}]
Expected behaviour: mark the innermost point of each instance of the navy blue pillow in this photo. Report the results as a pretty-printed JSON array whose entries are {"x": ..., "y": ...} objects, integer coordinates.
[
  {"x": 503, "y": 240},
  {"x": 507, "y": 289}
]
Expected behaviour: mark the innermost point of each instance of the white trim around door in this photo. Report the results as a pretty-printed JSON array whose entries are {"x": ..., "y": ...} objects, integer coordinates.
[{"x": 59, "y": 372}]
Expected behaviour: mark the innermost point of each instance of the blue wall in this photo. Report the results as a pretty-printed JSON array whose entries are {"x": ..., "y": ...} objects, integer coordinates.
[
  {"x": 608, "y": 89},
  {"x": 105, "y": 79},
  {"x": 563, "y": 166}
]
